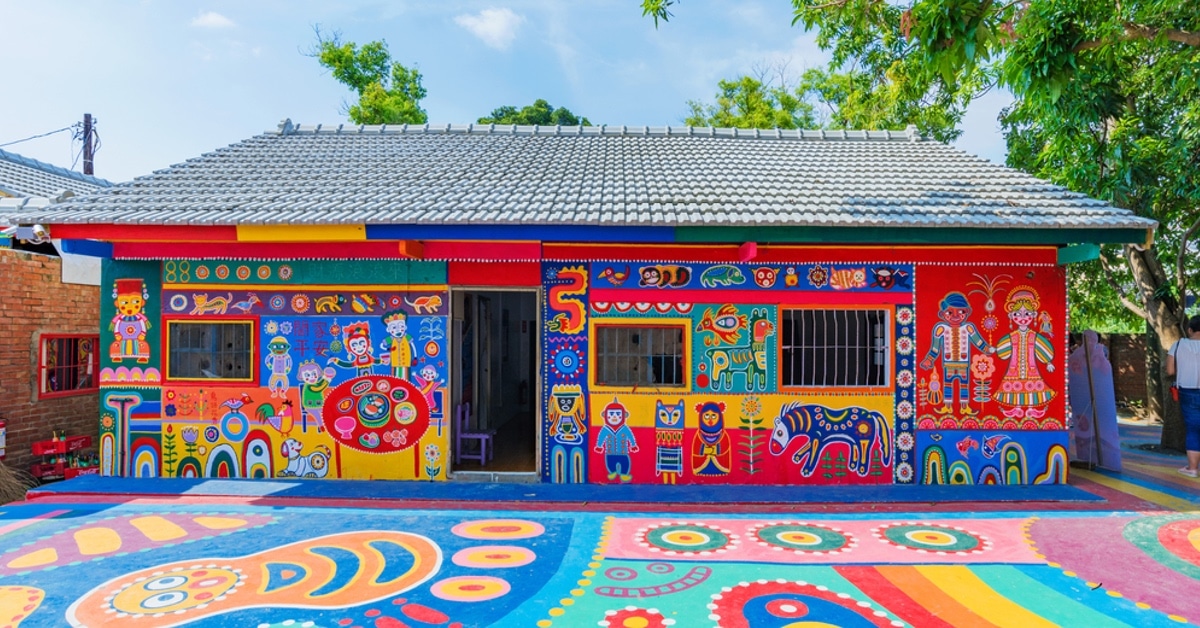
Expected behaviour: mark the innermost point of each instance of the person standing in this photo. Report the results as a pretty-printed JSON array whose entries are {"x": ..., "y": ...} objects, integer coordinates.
[{"x": 1183, "y": 361}]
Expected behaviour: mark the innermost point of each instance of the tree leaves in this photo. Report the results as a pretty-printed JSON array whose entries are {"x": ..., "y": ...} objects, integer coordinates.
[
  {"x": 388, "y": 92},
  {"x": 540, "y": 113}
]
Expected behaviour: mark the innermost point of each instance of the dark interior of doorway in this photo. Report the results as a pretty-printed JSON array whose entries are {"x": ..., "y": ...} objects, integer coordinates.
[{"x": 498, "y": 374}]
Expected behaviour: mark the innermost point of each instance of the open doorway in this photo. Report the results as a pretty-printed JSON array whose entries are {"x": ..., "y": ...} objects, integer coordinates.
[{"x": 495, "y": 346}]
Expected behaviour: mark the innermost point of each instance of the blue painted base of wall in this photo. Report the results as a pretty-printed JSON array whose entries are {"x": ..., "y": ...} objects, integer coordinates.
[{"x": 561, "y": 493}]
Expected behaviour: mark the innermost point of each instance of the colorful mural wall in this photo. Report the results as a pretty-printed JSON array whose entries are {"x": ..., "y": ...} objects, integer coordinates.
[
  {"x": 665, "y": 373},
  {"x": 346, "y": 380}
]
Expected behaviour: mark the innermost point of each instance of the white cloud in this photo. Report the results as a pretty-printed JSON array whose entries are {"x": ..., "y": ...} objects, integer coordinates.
[
  {"x": 496, "y": 28},
  {"x": 212, "y": 19}
]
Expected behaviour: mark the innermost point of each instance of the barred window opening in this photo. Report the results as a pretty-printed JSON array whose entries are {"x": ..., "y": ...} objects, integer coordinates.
[
  {"x": 209, "y": 350},
  {"x": 67, "y": 365},
  {"x": 835, "y": 348},
  {"x": 639, "y": 356}
]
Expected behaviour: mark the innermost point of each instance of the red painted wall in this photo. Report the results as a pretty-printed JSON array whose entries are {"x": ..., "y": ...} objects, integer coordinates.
[{"x": 36, "y": 302}]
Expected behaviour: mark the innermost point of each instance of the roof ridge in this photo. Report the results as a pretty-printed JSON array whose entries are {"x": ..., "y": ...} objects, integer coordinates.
[
  {"x": 909, "y": 134},
  {"x": 30, "y": 162}
]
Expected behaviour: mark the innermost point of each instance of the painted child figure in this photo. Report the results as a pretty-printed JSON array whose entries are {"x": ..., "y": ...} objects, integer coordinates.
[
  {"x": 279, "y": 361},
  {"x": 616, "y": 442},
  {"x": 953, "y": 339},
  {"x": 1023, "y": 392},
  {"x": 358, "y": 349},
  {"x": 130, "y": 324},
  {"x": 668, "y": 441},
  {"x": 398, "y": 345},
  {"x": 712, "y": 451},
  {"x": 428, "y": 383},
  {"x": 314, "y": 387}
]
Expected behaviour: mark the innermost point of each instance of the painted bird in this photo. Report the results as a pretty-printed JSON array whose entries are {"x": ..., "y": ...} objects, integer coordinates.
[
  {"x": 282, "y": 421},
  {"x": 236, "y": 404}
]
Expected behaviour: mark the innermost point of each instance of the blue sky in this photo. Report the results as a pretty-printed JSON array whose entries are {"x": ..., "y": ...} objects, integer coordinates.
[{"x": 168, "y": 80}]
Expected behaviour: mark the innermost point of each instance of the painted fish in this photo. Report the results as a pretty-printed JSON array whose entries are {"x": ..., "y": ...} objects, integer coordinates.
[
  {"x": 966, "y": 445},
  {"x": 991, "y": 445}
]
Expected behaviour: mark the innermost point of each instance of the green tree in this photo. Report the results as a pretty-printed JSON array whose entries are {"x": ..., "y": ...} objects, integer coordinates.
[
  {"x": 1106, "y": 104},
  {"x": 388, "y": 92},
  {"x": 540, "y": 113},
  {"x": 750, "y": 103}
]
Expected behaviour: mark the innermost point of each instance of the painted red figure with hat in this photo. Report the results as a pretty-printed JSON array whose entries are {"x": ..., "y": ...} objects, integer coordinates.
[
  {"x": 358, "y": 349},
  {"x": 130, "y": 324}
]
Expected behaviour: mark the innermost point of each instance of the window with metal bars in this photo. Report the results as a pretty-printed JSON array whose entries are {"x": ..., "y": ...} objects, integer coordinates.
[
  {"x": 67, "y": 365},
  {"x": 845, "y": 348},
  {"x": 628, "y": 355},
  {"x": 210, "y": 350}
]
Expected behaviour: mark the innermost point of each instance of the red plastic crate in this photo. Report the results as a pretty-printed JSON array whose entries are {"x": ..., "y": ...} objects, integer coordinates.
[
  {"x": 69, "y": 473},
  {"x": 48, "y": 470},
  {"x": 71, "y": 443}
]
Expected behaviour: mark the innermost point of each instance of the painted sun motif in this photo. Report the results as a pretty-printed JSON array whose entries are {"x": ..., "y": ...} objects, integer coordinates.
[{"x": 932, "y": 538}]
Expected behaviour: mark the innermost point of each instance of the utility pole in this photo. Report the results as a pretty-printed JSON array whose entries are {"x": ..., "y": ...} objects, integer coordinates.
[{"x": 88, "y": 167}]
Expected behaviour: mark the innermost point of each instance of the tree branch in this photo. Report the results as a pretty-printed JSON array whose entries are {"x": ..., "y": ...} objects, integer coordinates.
[
  {"x": 1109, "y": 276},
  {"x": 1141, "y": 31},
  {"x": 1180, "y": 281}
]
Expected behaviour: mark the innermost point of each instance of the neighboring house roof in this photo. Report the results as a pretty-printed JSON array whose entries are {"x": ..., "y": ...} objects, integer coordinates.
[
  {"x": 23, "y": 177},
  {"x": 603, "y": 176}
]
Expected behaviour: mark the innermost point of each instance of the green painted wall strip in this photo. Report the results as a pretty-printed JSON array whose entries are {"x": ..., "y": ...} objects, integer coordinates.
[
  {"x": 304, "y": 272},
  {"x": 906, "y": 235},
  {"x": 1078, "y": 253}
]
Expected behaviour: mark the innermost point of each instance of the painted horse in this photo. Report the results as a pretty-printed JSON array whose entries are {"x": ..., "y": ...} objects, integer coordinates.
[{"x": 860, "y": 429}]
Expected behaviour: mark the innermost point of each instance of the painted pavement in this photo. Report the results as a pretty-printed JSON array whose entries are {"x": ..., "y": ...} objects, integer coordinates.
[{"x": 235, "y": 564}]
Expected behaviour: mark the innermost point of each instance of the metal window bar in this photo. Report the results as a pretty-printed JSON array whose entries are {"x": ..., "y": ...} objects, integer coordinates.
[
  {"x": 67, "y": 364},
  {"x": 835, "y": 348},
  {"x": 222, "y": 349},
  {"x": 639, "y": 356}
]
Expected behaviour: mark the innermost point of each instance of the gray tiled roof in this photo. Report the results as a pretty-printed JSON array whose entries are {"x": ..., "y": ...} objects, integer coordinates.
[
  {"x": 23, "y": 177},
  {"x": 643, "y": 176}
]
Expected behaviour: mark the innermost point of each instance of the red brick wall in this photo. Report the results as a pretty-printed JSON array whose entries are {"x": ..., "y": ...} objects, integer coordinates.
[
  {"x": 33, "y": 301},
  {"x": 1128, "y": 356}
]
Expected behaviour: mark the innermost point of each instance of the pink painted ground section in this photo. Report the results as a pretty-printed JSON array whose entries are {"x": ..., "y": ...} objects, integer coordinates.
[
  {"x": 1008, "y": 544},
  {"x": 21, "y": 523},
  {"x": 1096, "y": 550}
]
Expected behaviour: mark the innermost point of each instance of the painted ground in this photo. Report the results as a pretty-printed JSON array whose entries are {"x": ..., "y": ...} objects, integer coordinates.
[{"x": 209, "y": 560}]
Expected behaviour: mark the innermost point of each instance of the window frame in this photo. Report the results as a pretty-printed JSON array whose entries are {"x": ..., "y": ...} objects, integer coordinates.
[
  {"x": 889, "y": 342},
  {"x": 681, "y": 324},
  {"x": 250, "y": 322},
  {"x": 94, "y": 367}
]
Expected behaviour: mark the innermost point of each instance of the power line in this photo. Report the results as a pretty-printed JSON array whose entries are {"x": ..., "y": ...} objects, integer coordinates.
[{"x": 66, "y": 128}]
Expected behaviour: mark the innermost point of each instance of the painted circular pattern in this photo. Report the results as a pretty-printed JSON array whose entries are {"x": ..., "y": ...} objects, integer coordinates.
[
  {"x": 264, "y": 272},
  {"x": 234, "y": 426},
  {"x": 687, "y": 538},
  {"x": 277, "y": 302},
  {"x": 493, "y": 556},
  {"x": 243, "y": 272},
  {"x": 285, "y": 272},
  {"x": 660, "y": 568},
  {"x": 1173, "y": 540},
  {"x": 300, "y": 303},
  {"x": 498, "y": 529},
  {"x": 793, "y": 604},
  {"x": 432, "y": 349},
  {"x": 803, "y": 537},
  {"x": 904, "y": 472},
  {"x": 905, "y": 441},
  {"x": 566, "y": 361},
  {"x": 357, "y": 414},
  {"x": 620, "y": 574},
  {"x": 634, "y": 617},
  {"x": 931, "y": 537},
  {"x": 212, "y": 434},
  {"x": 470, "y": 588},
  {"x": 178, "y": 302},
  {"x": 202, "y": 272},
  {"x": 222, "y": 272},
  {"x": 904, "y": 315}
]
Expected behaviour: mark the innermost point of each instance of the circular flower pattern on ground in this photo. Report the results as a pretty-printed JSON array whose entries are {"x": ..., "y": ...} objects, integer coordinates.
[
  {"x": 803, "y": 538},
  {"x": 470, "y": 588},
  {"x": 686, "y": 538},
  {"x": 932, "y": 538},
  {"x": 492, "y": 556},
  {"x": 634, "y": 617},
  {"x": 498, "y": 529}
]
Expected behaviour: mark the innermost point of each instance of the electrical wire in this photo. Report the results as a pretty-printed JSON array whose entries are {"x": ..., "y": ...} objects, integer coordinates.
[{"x": 34, "y": 137}]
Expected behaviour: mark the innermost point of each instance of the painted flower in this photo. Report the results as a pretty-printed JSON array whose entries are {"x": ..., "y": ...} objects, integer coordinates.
[
  {"x": 905, "y": 378},
  {"x": 190, "y": 435},
  {"x": 751, "y": 406},
  {"x": 905, "y": 410},
  {"x": 904, "y": 472},
  {"x": 818, "y": 276},
  {"x": 396, "y": 438},
  {"x": 271, "y": 328},
  {"x": 904, "y": 345},
  {"x": 990, "y": 323},
  {"x": 107, "y": 421},
  {"x": 285, "y": 327},
  {"x": 904, "y": 315},
  {"x": 433, "y": 454},
  {"x": 170, "y": 395},
  {"x": 905, "y": 441},
  {"x": 170, "y": 410},
  {"x": 212, "y": 434},
  {"x": 982, "y": 366}
]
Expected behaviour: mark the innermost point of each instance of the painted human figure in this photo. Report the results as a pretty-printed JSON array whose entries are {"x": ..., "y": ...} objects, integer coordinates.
[
  {"x": 567, "y": 422},
  {"x": 358, "y": 349},
  {"x": 428, "y": 383},
  {"x": 279, "y": 361},
  {"x": 314, "y": 386},
  {"x": 1022, "y": 391},
  {"x": 616, "y": 442},
  {"x": 398, "y": 345},
  {"x": 130, "y": 324},
  {"x": 668, "y": 441},
  {"x": 711, "y": 451},
  {"x": 953, "y": 340}
]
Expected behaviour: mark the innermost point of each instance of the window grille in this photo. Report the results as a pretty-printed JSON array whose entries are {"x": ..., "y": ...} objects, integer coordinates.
[
  {"x": 639, "y": 356},
  {"x": 209, "y": 350},
  {"x": 67, "y": 365},
  {"x": 835, "y": 348}
]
